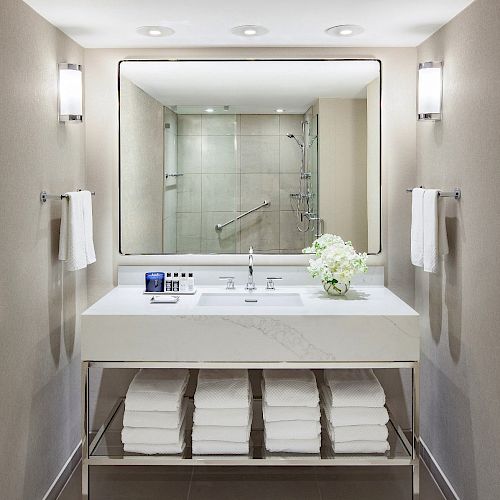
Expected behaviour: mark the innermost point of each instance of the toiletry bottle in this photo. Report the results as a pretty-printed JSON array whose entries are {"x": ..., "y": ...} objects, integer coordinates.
[
  {"x": 190, "y": 281},
  {"x": 183, "y": 283},
  {"x": 175, "y": 283},
  {"x": 155, "y": 282},
  {"x": 168, "y": 283}
]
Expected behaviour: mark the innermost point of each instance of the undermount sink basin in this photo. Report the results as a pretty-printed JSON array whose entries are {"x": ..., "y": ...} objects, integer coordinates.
[{"x": 250, "y": 299}]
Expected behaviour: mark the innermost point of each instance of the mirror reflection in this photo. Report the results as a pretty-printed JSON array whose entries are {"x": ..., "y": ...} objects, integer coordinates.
[{"x": 218, "y": 156}]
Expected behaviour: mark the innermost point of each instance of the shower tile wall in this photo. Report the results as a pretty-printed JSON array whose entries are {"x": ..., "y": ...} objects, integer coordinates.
[{"x": 230, "y": 164}]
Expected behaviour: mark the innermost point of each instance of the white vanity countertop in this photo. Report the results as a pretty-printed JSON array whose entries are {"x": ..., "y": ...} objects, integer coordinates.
[
  {"x": 369, "y": 324},
  {"x": 130, "y": 300}
]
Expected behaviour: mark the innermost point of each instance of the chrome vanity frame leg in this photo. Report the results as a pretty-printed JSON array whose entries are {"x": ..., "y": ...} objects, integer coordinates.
[
  {"x": 416, "y": 432},
  {"x": 85, "y": 430}
]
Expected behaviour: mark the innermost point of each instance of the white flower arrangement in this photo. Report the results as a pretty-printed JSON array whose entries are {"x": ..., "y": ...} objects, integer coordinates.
[{"x": 336, "y": 260}]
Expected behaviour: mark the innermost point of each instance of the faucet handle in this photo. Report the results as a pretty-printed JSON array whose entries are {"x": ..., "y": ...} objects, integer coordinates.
[
  {"x": 270, "y": 282},
  {"x": 229, "y": 282}
]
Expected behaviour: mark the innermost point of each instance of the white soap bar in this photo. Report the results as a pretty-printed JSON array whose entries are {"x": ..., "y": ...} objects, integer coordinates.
[{"x": 164, "y": 299}]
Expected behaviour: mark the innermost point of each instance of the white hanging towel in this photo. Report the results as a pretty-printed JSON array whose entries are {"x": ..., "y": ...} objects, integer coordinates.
[
  {"x": 76, "y": 244},
  {"x": 435, "y": 237},
  {"x": 417, "y": 227}
]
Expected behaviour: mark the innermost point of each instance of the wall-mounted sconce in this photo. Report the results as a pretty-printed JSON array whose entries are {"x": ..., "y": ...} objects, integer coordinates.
[
  {"x": 430, "y": 90},
  {"x": 70, "y": 93}
]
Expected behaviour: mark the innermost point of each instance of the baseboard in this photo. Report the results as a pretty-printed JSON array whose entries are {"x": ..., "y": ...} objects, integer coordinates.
[
  {"x": 437, "y": 473},
  {"x": 64, "y": 474}
]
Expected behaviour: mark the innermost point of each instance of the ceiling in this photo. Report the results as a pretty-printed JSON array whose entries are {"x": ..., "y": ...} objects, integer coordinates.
[
  {"x": 208, "y": 23},
  {"x": 249, "y": 86}
]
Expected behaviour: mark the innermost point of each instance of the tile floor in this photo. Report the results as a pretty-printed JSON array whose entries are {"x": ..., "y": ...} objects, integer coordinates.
[{"x": 251, "y": 483}]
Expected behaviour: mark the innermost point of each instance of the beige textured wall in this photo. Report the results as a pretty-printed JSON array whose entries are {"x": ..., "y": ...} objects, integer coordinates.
[
  {"x": 460, "y": 305},
  {"x": 398, "y": 142},
  {"x": 39, "y": 303},
  {"x": 342, "y": 172},
  {"x": 141, "y": 147}
]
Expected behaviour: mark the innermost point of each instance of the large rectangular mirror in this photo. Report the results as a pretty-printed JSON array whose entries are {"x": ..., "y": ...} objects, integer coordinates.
[{"x": 218, "y": 156}]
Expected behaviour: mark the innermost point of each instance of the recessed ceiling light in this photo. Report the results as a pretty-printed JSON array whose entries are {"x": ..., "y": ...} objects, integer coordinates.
[
  {"x": 249, "y": 30},
  {"x": 345, "y": 30},
  {"x": 155, "y": 31},
  {"x": 209, "y": 110},
  {"x": 280, "y": 110}
]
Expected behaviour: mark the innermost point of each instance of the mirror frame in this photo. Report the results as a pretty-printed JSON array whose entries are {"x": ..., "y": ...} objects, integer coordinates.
[{"x": 231, "y": 256}]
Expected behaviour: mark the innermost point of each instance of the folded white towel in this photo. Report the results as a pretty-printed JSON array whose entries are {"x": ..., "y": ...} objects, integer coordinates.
[
  {"x": 435, "y": 238},
  {"x": 220, "y": 448},
  {"x": 76, "y": 245},
  {"x": 170, "y": 381},
  {"x": 290, "y": 388},
  {"x": 284, "y": 413},
  {"x": 293, "y": 445},
  {"x": 361, "y": 447},
  {"x": 155, "y": 449},
  {"x": 156, "y": 419},
  {"x": 352, "y": 415},
  {"x": 417, "y": 227},
  {"x": 293, "y": 429},
  {"x": 343, "y": 433},
  {"x": 355, "y": 387},
  {"x": 141, "y": 435},
  {"x": 222, "y": 389},
  {"x": 229, "y": 417},
  {"x": 157, "y": 390},
  {"x": 221, "y": 433}
]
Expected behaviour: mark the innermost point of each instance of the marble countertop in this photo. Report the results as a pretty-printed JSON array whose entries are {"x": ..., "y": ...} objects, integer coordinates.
[
  {"x": 369, "y": 324},
  {"x": 130, "y": 300}
]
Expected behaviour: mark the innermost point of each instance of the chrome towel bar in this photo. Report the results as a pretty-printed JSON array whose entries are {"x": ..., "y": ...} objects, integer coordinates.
[
  {"x": 265, "y": 203},
  {"x": 456, "y": 193},
  {"x": 44, "y": 196}
]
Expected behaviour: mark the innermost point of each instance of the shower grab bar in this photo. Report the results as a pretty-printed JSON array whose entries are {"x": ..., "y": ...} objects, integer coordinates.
[{"x": 265, "y": 203}]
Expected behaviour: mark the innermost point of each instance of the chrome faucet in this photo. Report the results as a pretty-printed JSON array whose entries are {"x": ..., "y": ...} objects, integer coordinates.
[{"x": 250, "y": 283}]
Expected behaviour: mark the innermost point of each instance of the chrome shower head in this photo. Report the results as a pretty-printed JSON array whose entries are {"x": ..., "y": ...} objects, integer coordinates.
[{"x": 291, "y": 136}]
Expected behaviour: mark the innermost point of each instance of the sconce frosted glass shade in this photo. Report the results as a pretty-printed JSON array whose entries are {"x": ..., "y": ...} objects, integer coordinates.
[
  {"x": 70, "y": 93},
  {"x": 430, "y": 90}
]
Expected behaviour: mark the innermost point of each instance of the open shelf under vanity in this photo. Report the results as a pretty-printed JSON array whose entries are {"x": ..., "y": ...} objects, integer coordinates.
[{"x": 106, "y": 448}]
